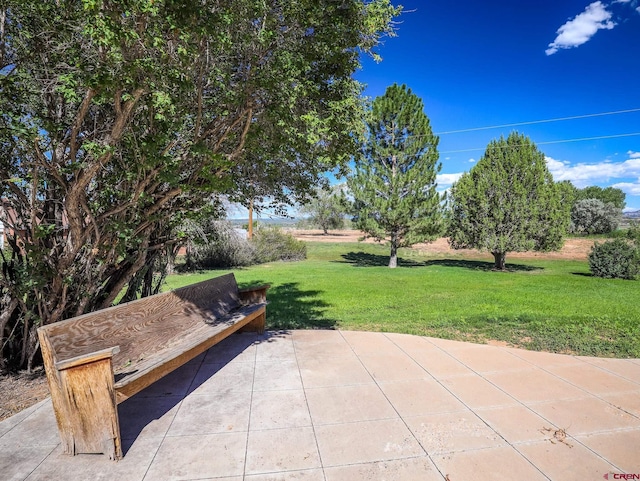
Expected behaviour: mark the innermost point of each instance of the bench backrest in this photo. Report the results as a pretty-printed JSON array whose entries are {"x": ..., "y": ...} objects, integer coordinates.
[{"x": 145, "y": 325}]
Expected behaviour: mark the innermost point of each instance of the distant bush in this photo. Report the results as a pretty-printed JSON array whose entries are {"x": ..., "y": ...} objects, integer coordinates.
[
  {"x": 219, "y": 245},
  {"x": 273, "y": 244},
  {"x": 615, "y": 259},
  {"x": 592, "y": 216},
  {"x": 216, "y": 244}
]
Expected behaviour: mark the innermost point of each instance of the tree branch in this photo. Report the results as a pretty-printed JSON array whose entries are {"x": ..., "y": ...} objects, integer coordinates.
[{"x": 80, "y": 116}]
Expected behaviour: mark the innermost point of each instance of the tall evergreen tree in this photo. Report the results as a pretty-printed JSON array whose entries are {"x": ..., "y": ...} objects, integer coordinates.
[
  {"x": 508, "y": 202},
  {"x": 394, "y": 186}
]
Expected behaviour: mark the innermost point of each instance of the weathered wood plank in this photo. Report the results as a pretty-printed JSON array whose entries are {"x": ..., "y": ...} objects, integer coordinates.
[
  {"x": 92, "y": 414},
  {"x": 254, "y": 295},
  {"x": 162, "y": 363},
  {"x": 92, "y": 357},
  {"x": 146, "y": 325},
  {"x": 84, "y": 403}
]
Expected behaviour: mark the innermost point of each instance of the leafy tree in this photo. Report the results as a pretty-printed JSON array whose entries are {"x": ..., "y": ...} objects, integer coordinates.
[
  {"x": 508, "y": 202},
  {"x": 120, "y": 119},
  {"x": 608, "y": 195},
  {"x": 327, "y": 209},
  {"x": 394, "y": 184},
  {"x": 592, "y": 216}
]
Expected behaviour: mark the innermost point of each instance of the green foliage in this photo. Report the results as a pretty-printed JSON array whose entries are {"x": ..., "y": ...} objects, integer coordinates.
[
  {"x": 121, "y": 119},
  {"x": 313, "y": 126},
  {"x": 568, "y": 193},
  {"x": 615, "y": 259},
  {"x": 608, "y": 195},
  {"x": 508, "y": 202},
  {"x": 394, "y": 184},
  {"x": 273, "y": 244},
  {"x": 592, "y": 216},
  {"x": 216, "y": 244},
  {"x": 633, "y": 232},
  {"x": 327, "y": 209}
]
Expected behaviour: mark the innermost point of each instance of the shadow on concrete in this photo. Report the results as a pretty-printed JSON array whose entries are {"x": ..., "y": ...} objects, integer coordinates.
[
  {"x": 288, "y": 307},
  {"x": 140, "y": 411}
]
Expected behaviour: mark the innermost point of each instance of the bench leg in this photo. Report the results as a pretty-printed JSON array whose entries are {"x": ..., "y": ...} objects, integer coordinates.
[
  {"x": 90, "y": 412},
  {"x": 84, "y": 403},
  {"x": 257, "y": 325}
]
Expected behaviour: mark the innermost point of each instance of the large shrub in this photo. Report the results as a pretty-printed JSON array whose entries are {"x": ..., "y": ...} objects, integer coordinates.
[
  {"x": 592, "y": 216},
  {"x": 218, "y": 244},
  {"x": 273, "y": 244},
  {"x": 615, "y": 259}
]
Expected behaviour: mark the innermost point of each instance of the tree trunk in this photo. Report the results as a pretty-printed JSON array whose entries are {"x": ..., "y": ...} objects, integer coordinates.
[
  {"x": 393, "y": 258},
  {"x": 499, "y": 258}
]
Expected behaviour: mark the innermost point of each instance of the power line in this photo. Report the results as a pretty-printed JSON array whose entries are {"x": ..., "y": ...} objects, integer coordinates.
[
  {"x": 553, "y": 142},
  {"x": 559, "y": 119}
]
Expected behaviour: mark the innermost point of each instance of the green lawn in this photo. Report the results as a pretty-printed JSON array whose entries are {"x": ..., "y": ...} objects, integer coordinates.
[{"x": 543, "y": 305}]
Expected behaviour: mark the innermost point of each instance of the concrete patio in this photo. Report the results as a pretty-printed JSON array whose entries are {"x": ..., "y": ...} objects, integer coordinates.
[{"x": 351, "y": 406}]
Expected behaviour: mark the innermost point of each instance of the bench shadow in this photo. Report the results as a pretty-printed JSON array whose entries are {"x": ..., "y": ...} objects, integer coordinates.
[
  {"x": 289, "y": 307},
  {"x": 148, "y": 409}
]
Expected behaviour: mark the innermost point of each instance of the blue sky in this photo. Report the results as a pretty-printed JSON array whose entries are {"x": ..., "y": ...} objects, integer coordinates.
[{"x": 481, "y": 64}]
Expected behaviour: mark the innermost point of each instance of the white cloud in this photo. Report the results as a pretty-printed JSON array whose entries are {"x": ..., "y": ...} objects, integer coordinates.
[
  {"x": 629, "y": 188},
  {"x": 447, "y": 179},
  {"x": 580, "y": 29},
  {"x": 633, "y": 155},
  {"x": 582, "y": 174},
  {"x": 471, "y": 161}
]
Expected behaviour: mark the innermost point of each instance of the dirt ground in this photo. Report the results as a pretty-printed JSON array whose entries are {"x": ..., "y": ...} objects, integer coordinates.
[
  {"x": 18, "y": 392},
  {"x": 577, "y": 249}
]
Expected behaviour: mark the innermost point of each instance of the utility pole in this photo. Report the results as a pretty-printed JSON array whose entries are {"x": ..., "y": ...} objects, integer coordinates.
[{"x": 250, "y": 229}]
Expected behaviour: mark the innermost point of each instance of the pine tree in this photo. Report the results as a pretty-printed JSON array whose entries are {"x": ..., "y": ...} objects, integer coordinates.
[
  {"x": 508, "y": 202},
  {"x": 394, "y": 185}
]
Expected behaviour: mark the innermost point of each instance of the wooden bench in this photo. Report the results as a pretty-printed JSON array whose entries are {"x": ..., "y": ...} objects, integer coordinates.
[{"x": 95, "y": 361}]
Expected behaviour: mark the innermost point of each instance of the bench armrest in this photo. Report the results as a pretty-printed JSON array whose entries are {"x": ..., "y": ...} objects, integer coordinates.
[
  {"x": 254, "y": 295},
  {"x": 87, "y": 358}
]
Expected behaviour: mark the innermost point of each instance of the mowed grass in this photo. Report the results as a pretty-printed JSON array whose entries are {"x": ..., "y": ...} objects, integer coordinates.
[{"x": 549, "y": 305}]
